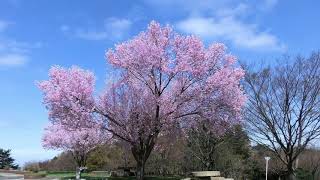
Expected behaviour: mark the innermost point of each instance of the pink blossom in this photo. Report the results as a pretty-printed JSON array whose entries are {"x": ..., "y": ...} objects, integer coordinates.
[
  {"x": 68, "y": 95},
  {"x": 61, "y": 137}
]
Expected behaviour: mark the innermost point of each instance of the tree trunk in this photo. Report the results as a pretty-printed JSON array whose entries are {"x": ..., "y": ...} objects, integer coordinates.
[
  {"x": 80, "y": 158},
  {"x": 78, "y": 173},
  {"x": 141, "y": 153},
  {"x": 140, "y": 171},
  {"x": 290, "y": 175},
  {"x": 141, "y": 157}
]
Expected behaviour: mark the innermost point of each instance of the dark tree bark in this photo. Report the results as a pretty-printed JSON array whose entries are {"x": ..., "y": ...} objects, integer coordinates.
[
  {"x": 283, "y": 109},
  {"x": 81, "y": 161},
  {"x": 141, "y": 153}
]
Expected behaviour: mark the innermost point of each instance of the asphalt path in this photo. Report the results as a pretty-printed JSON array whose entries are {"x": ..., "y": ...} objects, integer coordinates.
[{"x": 4, "y": 176}]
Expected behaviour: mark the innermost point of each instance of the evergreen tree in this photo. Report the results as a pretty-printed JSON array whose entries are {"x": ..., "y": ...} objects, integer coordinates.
[{"x": 6, "y": 161}]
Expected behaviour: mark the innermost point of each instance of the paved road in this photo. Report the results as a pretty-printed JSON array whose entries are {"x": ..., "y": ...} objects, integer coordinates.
[{"x": 4, "y": 176}]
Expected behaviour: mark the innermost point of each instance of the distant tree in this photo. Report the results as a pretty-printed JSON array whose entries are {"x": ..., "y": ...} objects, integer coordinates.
[
  {"x": 202, "y": 144},
  {"x": 62, "y": 162},
  {"x": 99, "y": 158},
  {"x": 227, "y": 152},
  {"x": 310, "y": 162},
  {"x": 33, "y": 166},
  {"x": 168, "y": 154},
  {"x": 166, "y": 79},
  {"x": 110, "y": 156},
  {"x": 256, "y": 164},
  {"x": 6, "y": 161},
  {"x": 232, "y": 154},
  {"x": 283, "y": 107}
]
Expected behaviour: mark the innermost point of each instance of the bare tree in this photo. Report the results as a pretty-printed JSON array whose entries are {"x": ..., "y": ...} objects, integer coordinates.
[{"x": 283, "y": 109}]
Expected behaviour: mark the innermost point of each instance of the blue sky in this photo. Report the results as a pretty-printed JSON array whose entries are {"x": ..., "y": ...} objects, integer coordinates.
[{"x": 35, "y": 35}]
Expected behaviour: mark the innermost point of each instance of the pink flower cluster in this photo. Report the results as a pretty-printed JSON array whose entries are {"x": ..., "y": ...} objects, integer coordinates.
[
  {"x": 62, "y": 137},
  {"x": 68, "y": 95}
]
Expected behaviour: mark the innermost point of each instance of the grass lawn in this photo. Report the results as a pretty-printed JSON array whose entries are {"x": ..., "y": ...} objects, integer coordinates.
[
  {"x": 147, "y": 178},
  {"x": 89, "y": 176},
  {"x": 60, "y": 174}
]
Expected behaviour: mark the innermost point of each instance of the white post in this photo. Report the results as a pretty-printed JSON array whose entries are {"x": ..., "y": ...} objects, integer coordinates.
[{"x": 267, "y": 162}]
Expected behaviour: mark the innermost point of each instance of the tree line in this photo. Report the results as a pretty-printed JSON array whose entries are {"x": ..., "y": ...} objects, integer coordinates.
[{"x": 232, "y": 154}]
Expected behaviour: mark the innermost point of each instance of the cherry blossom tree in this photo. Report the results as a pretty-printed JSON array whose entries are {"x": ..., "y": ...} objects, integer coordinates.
[
  {"x": 79, "y": 141},
  {"x": 167, "y": 81},
  {"x": 69, "y": 97}
]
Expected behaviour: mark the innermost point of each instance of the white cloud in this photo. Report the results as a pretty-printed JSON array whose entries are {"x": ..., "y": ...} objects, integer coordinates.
[
  {"x": 13, "y": 60},
  {"x": 113, "y": 29},
  {"x": 14, "y": 53},
  {"x": 14, "y": 46},
  {"x": 234, "y": 21},
  {"x": 228, "y": 28},
  {"x": 117, "y": 27}
]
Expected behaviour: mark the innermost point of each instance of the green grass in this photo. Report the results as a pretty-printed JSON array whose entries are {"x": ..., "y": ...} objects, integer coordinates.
[
  {"x": 147, "y": 178},
  {"x": 122, "y": 178},
  {"x": 89, "y": 176},
  {"x": 71, "y": 175},
  {"x": 60, "y": 174}
]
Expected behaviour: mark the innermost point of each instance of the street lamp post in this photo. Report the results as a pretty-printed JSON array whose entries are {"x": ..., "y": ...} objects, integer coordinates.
[{"x": 267, "y": 161}]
